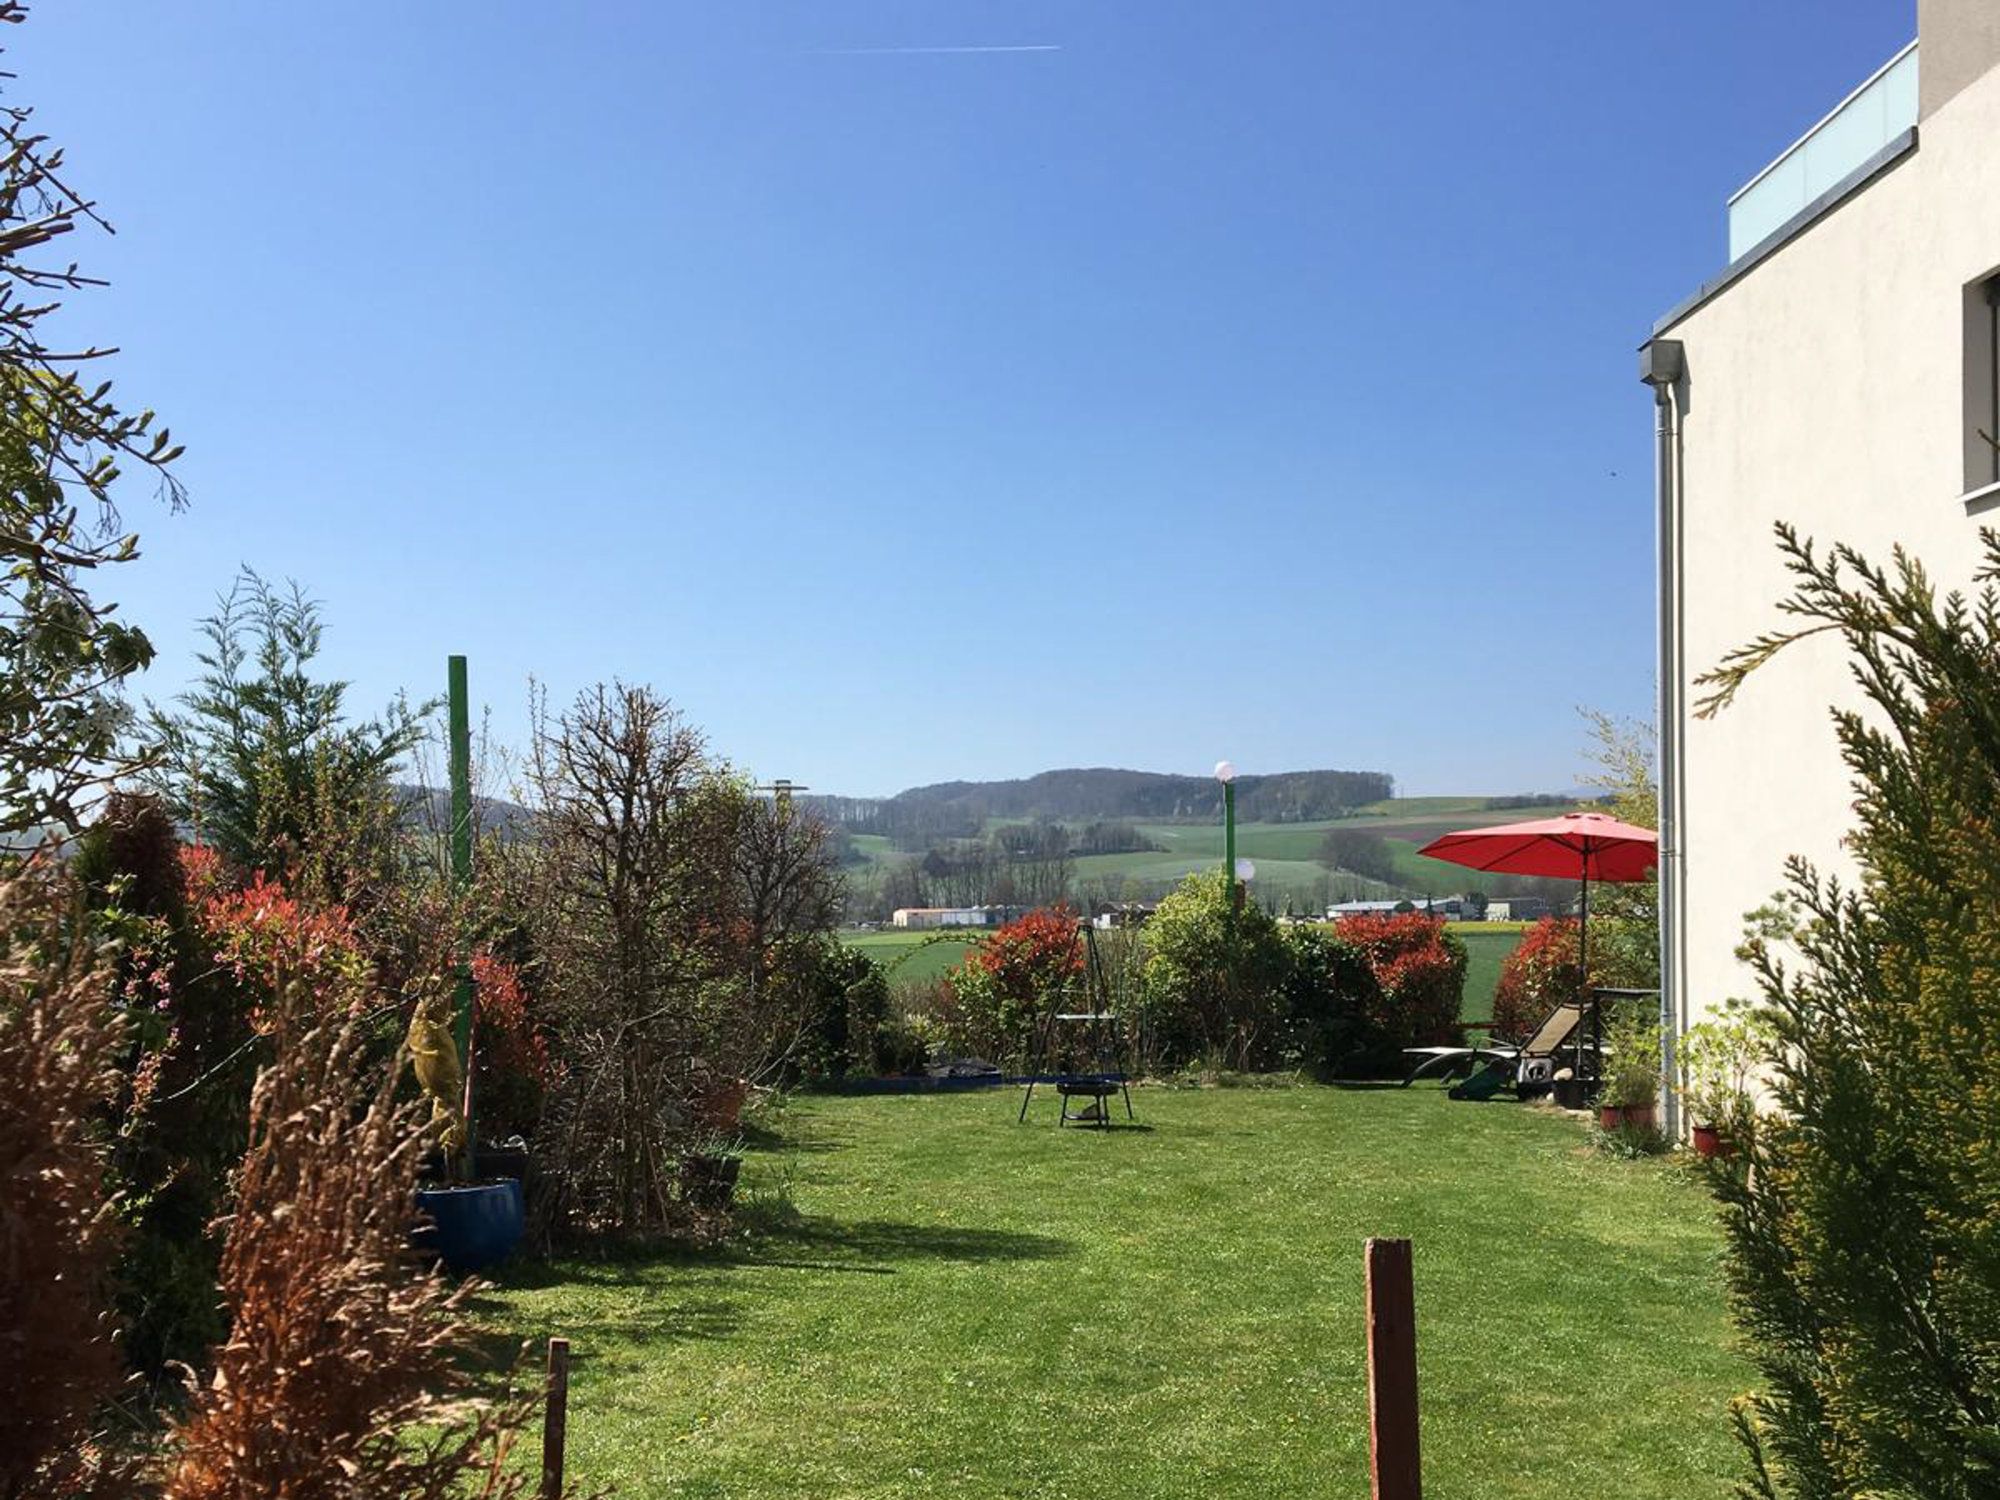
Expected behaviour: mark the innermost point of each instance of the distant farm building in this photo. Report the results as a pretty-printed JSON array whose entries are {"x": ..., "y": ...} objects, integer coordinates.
[
  {"x": 921, "y": 917},
  {"x": 1365, "y": 908},
  {"x": 1517, "y": 909},
  {"x": 1123, "y": 914},
  {"x": 1451, "y": 908}
]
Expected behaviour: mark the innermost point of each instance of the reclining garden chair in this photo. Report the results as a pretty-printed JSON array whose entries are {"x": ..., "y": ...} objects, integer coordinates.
[{"x": 1498, "y": 1064}]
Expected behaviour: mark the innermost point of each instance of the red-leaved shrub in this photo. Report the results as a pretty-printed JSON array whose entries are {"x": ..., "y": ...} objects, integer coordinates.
[
  {"x": 509, "y": 1041},
  {"x": 269, "y": 938},
  {"x": 1419, "y": 972},
  {"x": 1541, "y": 973},
  {"x": 1004, "y": 987},
  {"x": 513, "y": 1066}
]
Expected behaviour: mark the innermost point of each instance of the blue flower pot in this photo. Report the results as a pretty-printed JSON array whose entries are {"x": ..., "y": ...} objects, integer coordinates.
[{"x": 478, "y": 1226}]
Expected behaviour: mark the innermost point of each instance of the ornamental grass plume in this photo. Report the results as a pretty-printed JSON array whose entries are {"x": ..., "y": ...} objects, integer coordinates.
[
  {"x": 59, "y": 1232},
  {"x": 341, "y": 1352}
]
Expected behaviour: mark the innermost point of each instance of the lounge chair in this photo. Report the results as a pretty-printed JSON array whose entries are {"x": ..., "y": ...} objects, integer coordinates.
[{"x": 1496, "y": 1064}]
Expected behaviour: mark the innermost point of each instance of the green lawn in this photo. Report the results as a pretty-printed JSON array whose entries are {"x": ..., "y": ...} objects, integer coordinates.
[{"x": 941, "y": 1302}]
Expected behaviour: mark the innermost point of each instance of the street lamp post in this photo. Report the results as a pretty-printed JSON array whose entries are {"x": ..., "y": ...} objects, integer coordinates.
[{"x": 1226, "y": 774}]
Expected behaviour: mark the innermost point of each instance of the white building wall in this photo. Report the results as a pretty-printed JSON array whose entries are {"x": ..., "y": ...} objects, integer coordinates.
[{"x": 1825, "y": 387}]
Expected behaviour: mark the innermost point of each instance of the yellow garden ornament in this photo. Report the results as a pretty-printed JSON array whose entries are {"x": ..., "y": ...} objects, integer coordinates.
[{"x": 434, "y": 1056}]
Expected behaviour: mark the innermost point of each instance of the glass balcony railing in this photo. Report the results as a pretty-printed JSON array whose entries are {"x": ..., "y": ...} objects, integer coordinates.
[{"x": 1861, "y": 124}]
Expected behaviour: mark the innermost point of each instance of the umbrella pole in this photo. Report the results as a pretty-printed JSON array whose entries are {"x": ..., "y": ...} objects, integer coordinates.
[{"x": 1589, "y": 994}]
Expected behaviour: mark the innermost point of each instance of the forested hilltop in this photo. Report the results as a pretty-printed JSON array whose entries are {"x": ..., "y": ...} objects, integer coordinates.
[{"x": 958, "y": 809}]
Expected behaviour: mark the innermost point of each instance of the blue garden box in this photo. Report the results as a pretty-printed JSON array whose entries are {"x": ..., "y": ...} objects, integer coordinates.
[{"x": 477, "y": 1227}]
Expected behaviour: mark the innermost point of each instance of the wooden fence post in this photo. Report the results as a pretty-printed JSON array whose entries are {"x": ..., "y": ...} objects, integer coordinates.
[
  {"x": 555, "y": 1420},
  {"x": 1392, "y": 1372}
]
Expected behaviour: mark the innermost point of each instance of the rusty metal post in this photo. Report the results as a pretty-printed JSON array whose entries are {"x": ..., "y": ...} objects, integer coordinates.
[
  {"x": 555, "y": 1420},
  {"x": 1394, "y": 1472}
]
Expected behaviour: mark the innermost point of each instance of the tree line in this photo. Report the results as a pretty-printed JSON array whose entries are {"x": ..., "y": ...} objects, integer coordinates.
[{"x": 915, "y": 819}]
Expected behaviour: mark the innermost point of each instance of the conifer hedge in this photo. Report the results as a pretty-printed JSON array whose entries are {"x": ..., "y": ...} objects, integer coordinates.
[{"x": 1864, "y": 1213}]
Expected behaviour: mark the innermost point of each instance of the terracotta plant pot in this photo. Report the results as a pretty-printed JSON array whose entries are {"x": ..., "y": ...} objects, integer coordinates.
[
  {"x": 1625, "y": 1116},
  {"x": 1710, "y": 1142},
  {"x": 721, "y": 1106}
]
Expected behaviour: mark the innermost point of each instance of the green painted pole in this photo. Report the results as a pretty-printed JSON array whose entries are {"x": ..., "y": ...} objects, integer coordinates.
[
  {"x": 461, "y": 868},
  {"x": 1229, "y": 839}
]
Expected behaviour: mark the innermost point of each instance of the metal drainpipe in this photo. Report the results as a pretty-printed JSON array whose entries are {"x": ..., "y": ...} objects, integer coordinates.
[
  {"x": 1678, "y": 929},
  {"x": 1662, "y": 367}
]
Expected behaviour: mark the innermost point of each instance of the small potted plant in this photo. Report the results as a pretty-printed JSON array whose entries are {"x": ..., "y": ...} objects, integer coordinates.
[
  {"x": 1632, "y": 1073},
  {"x": 1719, "y": 1059}
]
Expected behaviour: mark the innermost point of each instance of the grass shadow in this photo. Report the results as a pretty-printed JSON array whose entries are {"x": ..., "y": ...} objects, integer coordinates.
[
  {"x": 763, "y": 1139},
  {"x": 876, "y": 1240},
  {"x": 705, "y": 1298},
  {"x": 611, "y": 1340},
  {"x": 797, "y": 1242},
  {"x": 1371, "y": 1085},
  {"x": 492, "y": 1353}
]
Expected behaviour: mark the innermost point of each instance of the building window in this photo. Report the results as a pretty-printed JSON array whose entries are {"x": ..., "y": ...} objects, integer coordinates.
[{"x": 1982, "y": 384}]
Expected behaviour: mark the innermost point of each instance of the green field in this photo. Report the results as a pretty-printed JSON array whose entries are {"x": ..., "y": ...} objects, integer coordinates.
[
  {"x": 1487, "y": 945},
  {"x": 1285, "y": 853},
  {"x": 929, "y": 1299},
  {"x": 912, "y": 955},
  {"x": 1402, "y": 807}
]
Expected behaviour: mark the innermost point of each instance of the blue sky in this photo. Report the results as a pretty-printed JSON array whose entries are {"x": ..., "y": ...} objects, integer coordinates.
[{"x": 1243, "y": 380}]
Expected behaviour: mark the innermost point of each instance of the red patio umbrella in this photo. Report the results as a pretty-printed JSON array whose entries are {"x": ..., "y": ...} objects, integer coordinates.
[{"x": 1575, "y": 846}]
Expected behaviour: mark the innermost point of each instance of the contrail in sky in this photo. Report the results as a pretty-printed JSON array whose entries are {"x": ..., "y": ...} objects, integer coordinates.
[{"x": 931, "y": 51}]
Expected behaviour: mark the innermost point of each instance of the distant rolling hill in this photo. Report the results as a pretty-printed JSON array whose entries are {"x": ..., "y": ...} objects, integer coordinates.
[
  {"x": 961, "y": 809},
  {"x": 429, "y": 807},
  {"x": 1101, "y": 792}
]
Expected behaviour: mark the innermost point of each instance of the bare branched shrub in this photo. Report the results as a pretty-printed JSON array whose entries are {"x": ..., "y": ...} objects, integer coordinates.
[
  {"x": 676, "y": 933},
  {"x": 631, "y": 918},
  {"x": 339, "y": 1349},
  {"x": 788, "y": 894},
  {"x": 59, "y": 1038}
]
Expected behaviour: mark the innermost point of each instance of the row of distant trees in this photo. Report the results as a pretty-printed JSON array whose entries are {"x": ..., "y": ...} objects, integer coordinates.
[
  {"x": 916, "y": 820},
  {"x": 1034, "y": 864},
  {"x": 1363, "y": 852},
  {"x": 1017, "y": 864},
  {"x": 1034, "y": 869}
]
